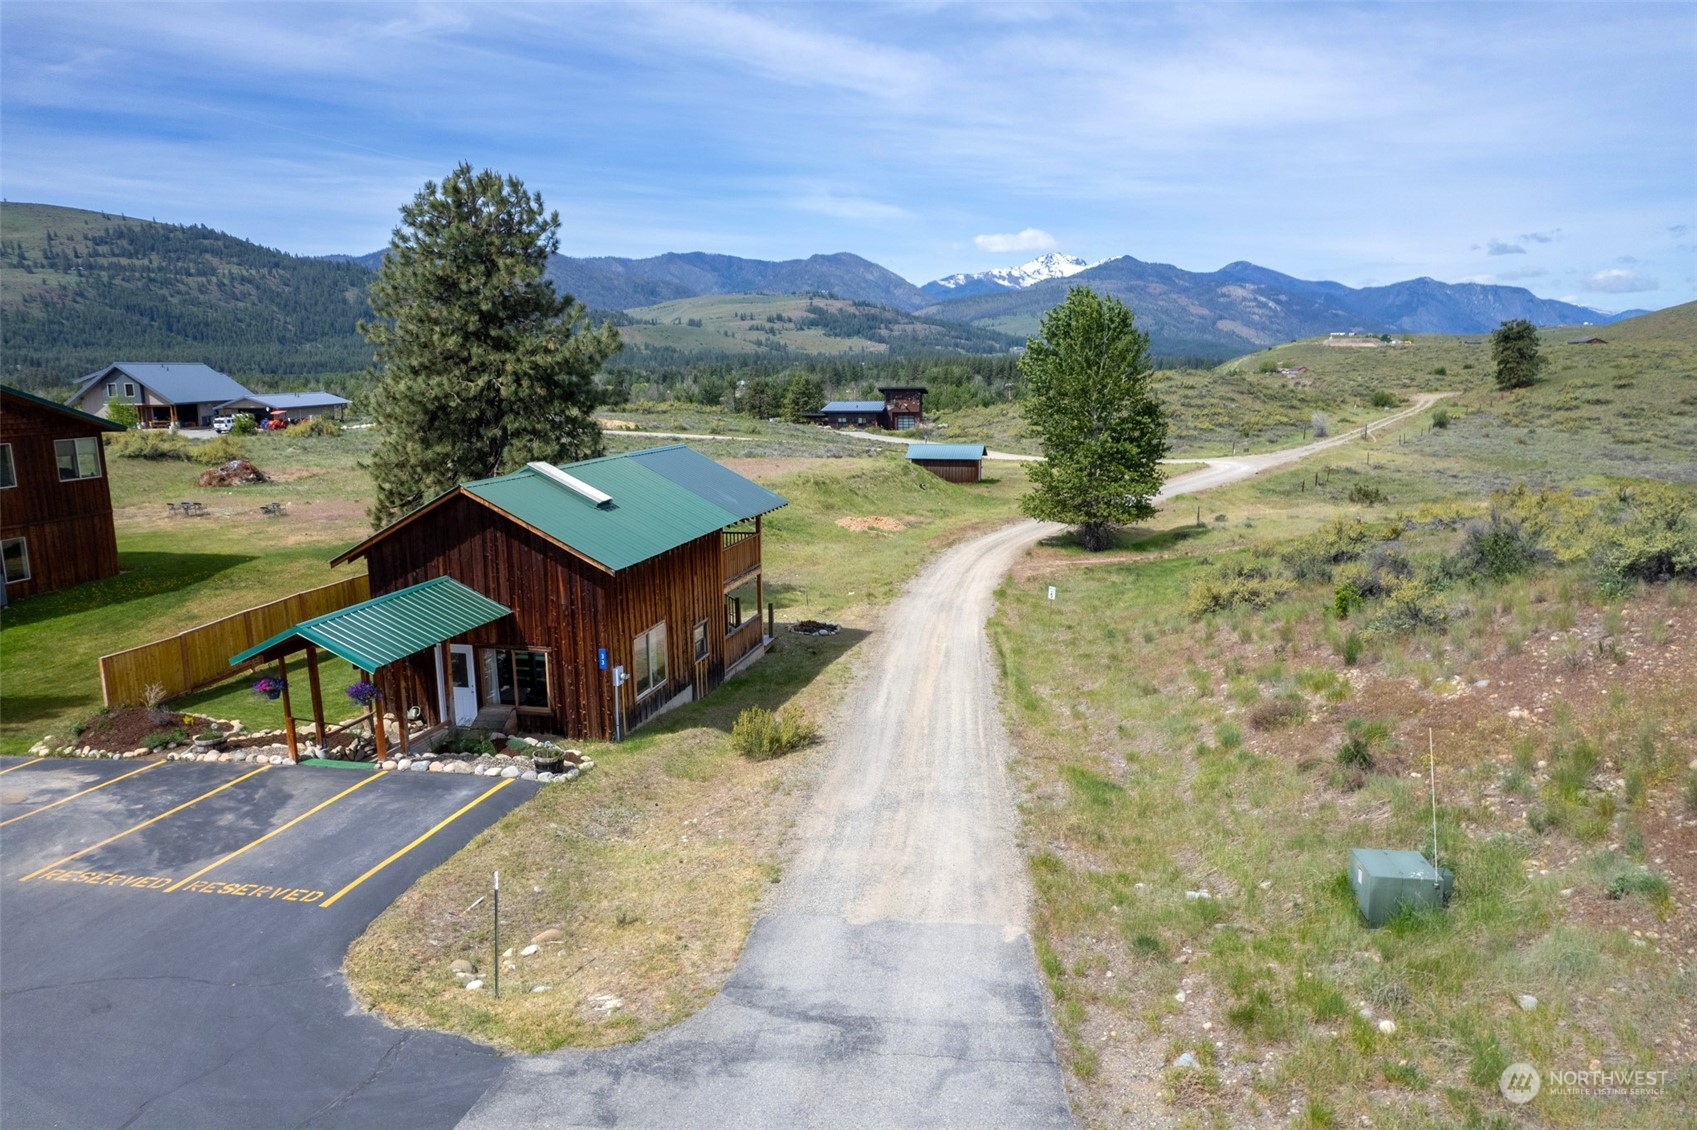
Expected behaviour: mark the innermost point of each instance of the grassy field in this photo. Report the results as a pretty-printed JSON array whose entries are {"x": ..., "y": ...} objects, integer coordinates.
[{"x": 1243, "y": 751}]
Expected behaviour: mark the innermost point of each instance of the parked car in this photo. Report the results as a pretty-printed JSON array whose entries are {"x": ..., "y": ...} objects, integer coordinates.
[{"x": 222, "y": 424}]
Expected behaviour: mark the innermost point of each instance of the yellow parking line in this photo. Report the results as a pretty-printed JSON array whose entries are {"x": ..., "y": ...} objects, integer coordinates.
[
  {"x": 25, "y": 765},
  {"x": 273, "y": 832},
  {"x": 85, "y": 792},
  {"x": 418, "y": 841},
  {"x": 144, "y": 823}
]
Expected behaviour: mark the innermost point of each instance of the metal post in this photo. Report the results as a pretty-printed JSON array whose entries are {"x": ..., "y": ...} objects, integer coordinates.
[
  {"x": 497, "y": 954},
  {"x": 771, "y": 621}
]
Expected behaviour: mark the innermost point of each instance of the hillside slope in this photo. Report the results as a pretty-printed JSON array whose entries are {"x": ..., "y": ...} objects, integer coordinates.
[{"x": 79, "y": 290}]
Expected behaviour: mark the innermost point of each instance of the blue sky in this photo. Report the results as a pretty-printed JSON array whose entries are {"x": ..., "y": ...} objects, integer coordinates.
[{"x": 1542, "y": 145}]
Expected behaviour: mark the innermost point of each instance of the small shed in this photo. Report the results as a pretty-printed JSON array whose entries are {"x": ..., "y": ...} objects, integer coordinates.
[
  {"x": 295, "y": 406},
  {"x": 956, "y": 462}
]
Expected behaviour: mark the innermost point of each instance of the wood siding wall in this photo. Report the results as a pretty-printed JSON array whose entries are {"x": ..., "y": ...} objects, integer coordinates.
[
  {"x": 954, "y": 470},
  {"x": 66, "y": 525},
  {"x": 562, "y": 605}
]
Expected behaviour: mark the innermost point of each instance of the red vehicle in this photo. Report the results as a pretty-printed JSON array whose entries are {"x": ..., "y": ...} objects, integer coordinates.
[{"x": 276, "y": 421}]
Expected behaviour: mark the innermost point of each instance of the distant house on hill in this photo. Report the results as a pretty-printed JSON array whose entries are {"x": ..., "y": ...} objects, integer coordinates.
[
  {"x": 902, "y": 409},
  {"x": 1587, "y": 341},
  {"x": 187, "y": 395},
  {"x": 517, "y": 598},
  {"x": 55, "y": 506},
  {"x": 295, "y": 406}
]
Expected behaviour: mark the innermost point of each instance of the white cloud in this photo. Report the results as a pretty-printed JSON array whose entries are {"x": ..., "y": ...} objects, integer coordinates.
[
  {"x": 1620, "y": 280},
  {"x": 1030, "y": 239},
  {"x": 1543, "y": 236},
  {"x": 1498, "y": 247},
  {"x": 848, "y": 207}
]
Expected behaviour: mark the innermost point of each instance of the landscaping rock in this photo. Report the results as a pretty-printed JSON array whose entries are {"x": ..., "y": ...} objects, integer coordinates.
[
  {"x": 403, "y": 764},
  {"x": 510, "y": 772},
  {"x": 1188, "y": 1060},
  {"x": 544, "y": 777},
  {"x": 552, "y": 934},
  {"x": 1526, "y": 1001},
  {"x": 391, "y": 763},
  {"x": 540, "y": 988},
  {"x": 528, "y": 775},
  {"x": 530, "y": 949},
  {"x": 1388, "y": 1027},
  {"x": 435, "y": 767},
  {"x": 420, "y": 767},
  {"x": 474, "y": 984},
  {"x": 572, "y": 773}
]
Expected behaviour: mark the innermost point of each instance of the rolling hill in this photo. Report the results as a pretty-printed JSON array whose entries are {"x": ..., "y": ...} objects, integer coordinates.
[{"x": 79, "y": 290}]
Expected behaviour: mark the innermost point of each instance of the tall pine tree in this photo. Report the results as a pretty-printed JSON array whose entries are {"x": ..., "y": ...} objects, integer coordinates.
[
  {"x": 481, "y": 367},
  {"x": 1090, "y": 399}
]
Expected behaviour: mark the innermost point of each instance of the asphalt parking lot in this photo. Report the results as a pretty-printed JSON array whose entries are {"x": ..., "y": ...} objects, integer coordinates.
[{"x": 171, "y": 937}]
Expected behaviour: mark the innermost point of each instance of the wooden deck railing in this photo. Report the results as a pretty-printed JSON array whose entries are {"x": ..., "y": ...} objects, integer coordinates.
[{"x": 740, "y": 555}]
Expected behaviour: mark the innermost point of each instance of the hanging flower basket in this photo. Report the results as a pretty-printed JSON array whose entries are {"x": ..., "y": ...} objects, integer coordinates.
[
  {"x": 268, "y": 688},
  {"x": 364, "y": 693}
]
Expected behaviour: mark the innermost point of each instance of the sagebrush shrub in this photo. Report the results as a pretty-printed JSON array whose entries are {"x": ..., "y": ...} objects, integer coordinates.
[
  {"x": 760, "y": 734},
  {"x": 1245, "y": 584}
]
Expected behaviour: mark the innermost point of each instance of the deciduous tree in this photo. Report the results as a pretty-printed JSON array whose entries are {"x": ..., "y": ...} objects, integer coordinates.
[
  {"x": 481, "y": 366},
  {"x": 1514, "y": 347},
  {"x": 1090, "y": 398}
]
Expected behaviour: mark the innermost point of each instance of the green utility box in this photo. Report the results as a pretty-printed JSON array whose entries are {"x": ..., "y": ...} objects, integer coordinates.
[{"x": 1384, "y": 881}]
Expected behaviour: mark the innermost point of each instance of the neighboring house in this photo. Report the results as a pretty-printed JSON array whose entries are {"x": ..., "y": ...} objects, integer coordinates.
[
  {"x": 902, "y": 409},
  {"x": 295, "y": 406},
  {"x": 650, "y": 561},
  {"x": 956, "y": 462},
  {"x": 55, "y": 506},
  {"x": 187, "y": 395}
]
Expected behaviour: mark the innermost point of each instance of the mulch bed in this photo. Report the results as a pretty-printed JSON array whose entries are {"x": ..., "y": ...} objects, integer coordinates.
[
  {"x": 124, "y": 728},
  {"x": 814, "y": 628}
]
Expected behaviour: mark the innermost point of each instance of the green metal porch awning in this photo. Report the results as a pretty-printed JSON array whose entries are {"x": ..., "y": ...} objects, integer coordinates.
[{"x": 388, "y": 627}]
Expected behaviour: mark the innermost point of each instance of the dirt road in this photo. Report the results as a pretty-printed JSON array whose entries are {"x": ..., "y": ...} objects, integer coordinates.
[{"x": 892, "y": 982}]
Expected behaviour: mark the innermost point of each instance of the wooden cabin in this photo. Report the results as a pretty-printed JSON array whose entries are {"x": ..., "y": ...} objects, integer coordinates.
[
  {"x": 648, "y": 561},
  {"x": 55, "y": 504},
  {"x": 956, "y": 462}
]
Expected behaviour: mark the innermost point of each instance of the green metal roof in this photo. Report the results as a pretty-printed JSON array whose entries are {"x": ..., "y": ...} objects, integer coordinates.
[
  {"x": 392, "y": 626},
  {"x": 925, "y": 452},
  {"x": 662, "y": 498}
]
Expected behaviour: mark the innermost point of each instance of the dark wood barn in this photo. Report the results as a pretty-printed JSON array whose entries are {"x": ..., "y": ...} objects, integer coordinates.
[
  {"x": 55, "y": 504},
  {"x": 902, "y": 409},
  {"x": 956, "y": 462},
  {"x": 649, "y": 561}
]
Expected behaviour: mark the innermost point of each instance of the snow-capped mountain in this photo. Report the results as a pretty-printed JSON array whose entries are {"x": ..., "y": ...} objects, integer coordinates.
[{"x": 1050, "y": 266}]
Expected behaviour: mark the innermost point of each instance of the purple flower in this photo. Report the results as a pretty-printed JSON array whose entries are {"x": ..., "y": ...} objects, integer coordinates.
[
  {"x": 363, "y": 692},
  {"x": 268, "y": 687}
]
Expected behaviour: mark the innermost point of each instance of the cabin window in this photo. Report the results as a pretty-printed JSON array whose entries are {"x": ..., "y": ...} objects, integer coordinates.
[
  {"x": 649, "y": 659},
  {"x": 8, "y": 473},
  {"x": 15, "y": 552},
  {"x": 129, "y": 390},
  {"x": 742, "y": 605},
  {"x": 699, "y": 639},
  {"x": 515, "y": 678},
  {"x": 78, "y": 458},
  {"x": 111, "y": 391}
]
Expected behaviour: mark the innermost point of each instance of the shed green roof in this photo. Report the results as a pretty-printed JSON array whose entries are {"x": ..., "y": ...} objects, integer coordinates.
[
  {"x": 388, "y": 627},
  {"x": 662, "y": 497},
  {"x": 926, "y": 452}
]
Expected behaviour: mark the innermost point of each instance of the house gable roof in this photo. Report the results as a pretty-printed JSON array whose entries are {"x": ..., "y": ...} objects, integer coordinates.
[
  {"x": 289, "y": 400},
  {"x": 79, "y": 416},
  {"x": 178, "y": 383},
  {"x": 662, "y": 498},
  {"x": 852, "y": 406}
]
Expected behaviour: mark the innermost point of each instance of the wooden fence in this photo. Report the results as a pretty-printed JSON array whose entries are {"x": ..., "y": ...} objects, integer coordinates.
[{"x": 201, "y": 656}]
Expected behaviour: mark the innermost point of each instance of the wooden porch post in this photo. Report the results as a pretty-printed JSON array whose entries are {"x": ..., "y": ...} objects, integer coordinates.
[
  {"x": 288, "y": 711},
  {"x": 317, "y": 695},
  {"x": 445, "y": 690},
  {"x": 401, "y": 714},
  {"x": 377, "y": 726}
]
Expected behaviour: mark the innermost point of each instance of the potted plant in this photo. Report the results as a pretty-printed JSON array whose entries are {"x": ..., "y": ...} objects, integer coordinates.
[
  {"x": 548, "y": 759},
  {"x": 364, "y": 693},
  {"x": 268, "y": 688},
  {"x": 209, "y": 739}
]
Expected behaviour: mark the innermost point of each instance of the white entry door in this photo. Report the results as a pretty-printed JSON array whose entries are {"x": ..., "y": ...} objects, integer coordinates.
[{"x": 462, "y": 683}]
